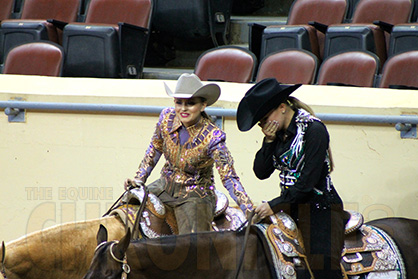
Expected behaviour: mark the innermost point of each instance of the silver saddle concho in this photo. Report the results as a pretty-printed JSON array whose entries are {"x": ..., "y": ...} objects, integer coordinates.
[
  {"x": 156, "y": 216},
  {"x": 369, "y": 252}
]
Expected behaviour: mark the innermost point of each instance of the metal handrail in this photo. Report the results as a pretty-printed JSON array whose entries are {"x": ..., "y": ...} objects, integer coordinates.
[{"x": 13, "y": 107}]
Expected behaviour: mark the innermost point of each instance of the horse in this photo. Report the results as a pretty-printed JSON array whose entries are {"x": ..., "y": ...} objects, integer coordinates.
[
  {"x": 214, "y": 255},
  {"x": 66, "y": 250},
  {"x": 196, "y": 255},
  {"x": 63, "y": 251},
  {"x": 404, "y": 232}
]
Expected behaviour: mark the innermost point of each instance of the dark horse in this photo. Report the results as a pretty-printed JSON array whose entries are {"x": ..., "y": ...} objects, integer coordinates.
[
  {"x": 215, "y": 254},
  {"x": 197, "y": 255}
]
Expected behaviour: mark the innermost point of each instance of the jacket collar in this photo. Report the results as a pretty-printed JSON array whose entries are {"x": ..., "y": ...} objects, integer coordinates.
[{"x": 176, "y": 125}]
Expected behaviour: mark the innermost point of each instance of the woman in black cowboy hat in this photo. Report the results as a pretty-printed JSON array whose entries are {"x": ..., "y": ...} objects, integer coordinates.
[{"x": 296, "y": 143}]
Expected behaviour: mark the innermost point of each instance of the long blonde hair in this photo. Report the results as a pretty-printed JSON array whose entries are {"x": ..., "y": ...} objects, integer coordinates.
[{"x": 295, "y": 104}]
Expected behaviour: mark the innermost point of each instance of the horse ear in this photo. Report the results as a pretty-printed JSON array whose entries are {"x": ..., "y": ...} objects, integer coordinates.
[
  {"x": 3, "y": 252},
  {"x": 101, "y": 234},
  {"x": 123, "y": 245}
]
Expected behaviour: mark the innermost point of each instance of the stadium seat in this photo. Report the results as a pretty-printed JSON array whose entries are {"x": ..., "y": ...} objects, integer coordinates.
[
  {"x": 351, "y": 68},
  {"x": 33, "y": 25},
  {"x": 302, "y": 12},
  {"x": 226, "y": 63},
  {"x": 400, "y": 71},
  {"x": 362, "y": 37},
  {"x": 404, "y": 37},
  {"x": 111, "y": 42},
  {"x": 362, "y": 33},
  {"x": 290, "y": 66},
  {"x": 6, "y": 8},
  {"x": 38, "y": 58},
  {"x": 389, "y": 11}
]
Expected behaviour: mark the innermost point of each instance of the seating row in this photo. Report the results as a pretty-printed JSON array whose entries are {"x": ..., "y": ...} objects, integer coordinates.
[
  {"x": 110, "y": 42},
  {"x": 319, "y": 27},
  {"x": 186, "y": 23},
  {"x": 402, "y": 37},
  {"x": 291, "y": 66},
  {"x": 237, "y": 64}
]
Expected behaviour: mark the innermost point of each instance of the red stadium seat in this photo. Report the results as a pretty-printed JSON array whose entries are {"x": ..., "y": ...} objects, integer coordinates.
[
  {"x": 111, "y": 43},
  {"x": 400, "y": 70},
  {"x": 226, "y": 63},
  {"x": 353, "y": 68},
  {"x": 302, "y": 12},
  {"x": 292, "y": 66},
  {"x": 33, "y": 26},
  {"x": 362, "y": 34},
  {"x": 6, "y": 7},
  {"x": 39, "y": 58}
]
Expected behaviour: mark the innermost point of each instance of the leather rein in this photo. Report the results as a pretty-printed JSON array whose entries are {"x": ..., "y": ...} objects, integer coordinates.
[{"x": 244, "y": 245}]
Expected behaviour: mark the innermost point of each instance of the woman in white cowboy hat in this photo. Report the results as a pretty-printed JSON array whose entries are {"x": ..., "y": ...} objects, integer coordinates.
[
  {"x": 191, "y": 144},
  {"x": 296, "y": 144}
]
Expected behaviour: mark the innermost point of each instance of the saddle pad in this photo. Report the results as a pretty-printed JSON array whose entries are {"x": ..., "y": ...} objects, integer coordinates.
[
  {"x": 151, "y": 224},
  {"x": 126, "y": 213},
  {"x": 371, "y": 250}
]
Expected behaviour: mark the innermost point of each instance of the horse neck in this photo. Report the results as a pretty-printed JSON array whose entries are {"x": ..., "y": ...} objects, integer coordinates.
[
  {"x": 154, "y": 256},
  {"x": 65, "y": 249}
]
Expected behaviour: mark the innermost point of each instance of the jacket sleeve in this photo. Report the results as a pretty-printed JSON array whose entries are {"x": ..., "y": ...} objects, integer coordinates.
[
  {"x": 225, "y": 165},
  {"x": 152, "y": 155},
  {"x": 263, "y": 162}
]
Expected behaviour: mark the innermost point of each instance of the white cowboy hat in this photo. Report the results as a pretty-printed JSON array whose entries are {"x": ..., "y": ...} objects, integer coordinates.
[{"x": 189, "y": 86}]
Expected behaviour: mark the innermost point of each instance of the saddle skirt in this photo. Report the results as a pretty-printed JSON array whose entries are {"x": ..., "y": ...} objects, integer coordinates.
[
  {"x": 370, "y": 252},
  {"x": 158, "y": 220},
  {"x": 285, "y": 244}
]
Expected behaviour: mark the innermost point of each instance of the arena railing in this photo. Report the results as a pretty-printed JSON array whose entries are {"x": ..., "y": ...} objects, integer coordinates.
[{"x": 15, "y": 110}]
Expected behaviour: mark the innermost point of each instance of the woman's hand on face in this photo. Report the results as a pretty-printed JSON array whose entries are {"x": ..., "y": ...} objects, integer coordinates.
[
  {"x": 263, "y": 210},
  {"x": 269, "y": 129}
]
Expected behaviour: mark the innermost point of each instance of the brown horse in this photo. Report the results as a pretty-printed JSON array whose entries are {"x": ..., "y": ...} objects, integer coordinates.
[
  {"x": 63, "y": 251},
  {"x": 214, "y": 254}
]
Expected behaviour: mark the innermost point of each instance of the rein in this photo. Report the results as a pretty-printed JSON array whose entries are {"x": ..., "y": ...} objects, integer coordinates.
[
  {"x": 244, "y": 245},
  {"x": 137, "y": 228}
]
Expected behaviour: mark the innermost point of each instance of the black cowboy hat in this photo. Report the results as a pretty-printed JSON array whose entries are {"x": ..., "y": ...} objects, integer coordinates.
[{"x": 260, "y": 100}]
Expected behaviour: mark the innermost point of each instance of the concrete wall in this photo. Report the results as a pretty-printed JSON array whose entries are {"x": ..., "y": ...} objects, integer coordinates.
[{"x": 60, "y": 166}]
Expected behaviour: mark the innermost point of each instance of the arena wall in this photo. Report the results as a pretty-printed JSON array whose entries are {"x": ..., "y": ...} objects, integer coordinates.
[{"x": 63, "y": 166}]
